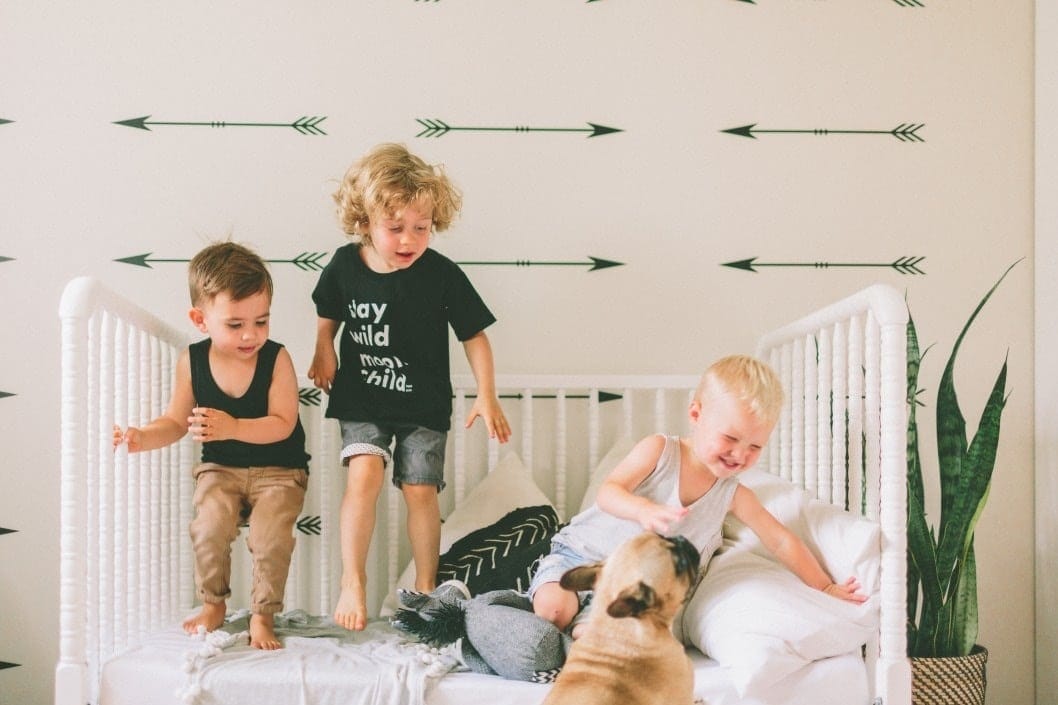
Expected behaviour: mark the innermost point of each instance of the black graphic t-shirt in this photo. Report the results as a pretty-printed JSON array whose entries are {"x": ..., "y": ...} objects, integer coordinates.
[{"x": 393, "y": 354}]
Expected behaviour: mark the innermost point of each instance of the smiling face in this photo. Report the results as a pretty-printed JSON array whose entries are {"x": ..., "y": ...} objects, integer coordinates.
[
  {"x": 726, "y": 436},
  {"x": 396, "y": 240},
  {"x": 237, "y": 328}
]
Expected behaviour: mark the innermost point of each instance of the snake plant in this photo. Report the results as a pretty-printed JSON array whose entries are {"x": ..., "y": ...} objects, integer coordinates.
[{"x": 942, "y": 571}]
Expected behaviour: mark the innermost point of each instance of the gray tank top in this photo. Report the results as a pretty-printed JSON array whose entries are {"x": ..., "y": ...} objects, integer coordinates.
[{"x": 594, "y": 534}]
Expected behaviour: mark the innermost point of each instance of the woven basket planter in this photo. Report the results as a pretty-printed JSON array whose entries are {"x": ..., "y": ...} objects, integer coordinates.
[{"x": 955, "y": 680}]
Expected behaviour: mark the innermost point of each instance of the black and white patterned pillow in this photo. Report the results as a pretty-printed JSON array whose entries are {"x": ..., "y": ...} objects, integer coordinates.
[{"x": 504, "y": 554}]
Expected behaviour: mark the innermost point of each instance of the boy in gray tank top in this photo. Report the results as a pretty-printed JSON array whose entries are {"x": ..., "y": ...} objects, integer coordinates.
[{"x": 686, "y": 485}]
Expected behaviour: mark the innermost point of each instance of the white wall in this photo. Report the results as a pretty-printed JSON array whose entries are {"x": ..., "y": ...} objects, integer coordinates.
[
  {"x": 672, "y": 197},
  {"x": 1046, "y": 348}
]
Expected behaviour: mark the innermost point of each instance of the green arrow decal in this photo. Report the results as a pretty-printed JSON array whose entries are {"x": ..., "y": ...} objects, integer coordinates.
[
  {"x": 905, "y": 132},
  {"x": 304, "y": 125},
  {"x": 5, "y": 664},
  {"x": 5, "y": 122},
  {"x": 438, "y": 128},
  {"x": 6, "y": 394},
  {"x": 603, "y": 396},
  {"x": 306, "y": 261},
  {"x": 596, "y": 263},
  {"x": 904, "y": 265},
  {"x": 312, "y": 524},
  {"x": 7, "y": 531},
  {"x": 6, "y": 259},
  {"x": 309, "y": 396}
]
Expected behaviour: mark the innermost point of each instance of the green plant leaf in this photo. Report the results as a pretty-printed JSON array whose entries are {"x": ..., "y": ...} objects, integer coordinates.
[
  {"x": 942, "y": 569},
  {"x": 973, "y": 483},
  {"x": 951, "y": 452}
]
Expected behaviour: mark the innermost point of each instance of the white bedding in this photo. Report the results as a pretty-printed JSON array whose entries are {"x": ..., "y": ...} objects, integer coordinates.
[{"x": 380, "y": 667}]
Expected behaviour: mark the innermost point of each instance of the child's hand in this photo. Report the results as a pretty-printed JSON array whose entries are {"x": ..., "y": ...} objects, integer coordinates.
[
  {"x": 489, "y": 409},
  {"x": 660, "y": 517},
  {"x": 323, "y": 368},
  {"x": 848, "y": 591},
  {"x": 131, "y": 437},
  {"x": 211, "y": 424}
]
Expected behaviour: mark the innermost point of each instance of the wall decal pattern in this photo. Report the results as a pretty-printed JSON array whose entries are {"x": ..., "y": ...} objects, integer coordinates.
[
  {"x": 311, "y": 261},
  {"x": 905, "y": 132},
  {"x": 595, "y": 263},
  {"x": 306, "y": 261},
  {"x": 439, "y": 128},
  {"x": 903, "y": 265},
  {"x": 304, "y": 125},
  {"x": 309, "y": 396},
  {"x": 310, "y": 525}
]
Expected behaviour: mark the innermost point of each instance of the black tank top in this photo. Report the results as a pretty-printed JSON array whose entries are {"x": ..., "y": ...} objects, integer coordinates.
[{"x": 288, "y": 453}]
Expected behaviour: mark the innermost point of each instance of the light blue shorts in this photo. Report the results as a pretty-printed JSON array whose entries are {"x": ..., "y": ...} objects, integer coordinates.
[{"x": 551, "y": 569}]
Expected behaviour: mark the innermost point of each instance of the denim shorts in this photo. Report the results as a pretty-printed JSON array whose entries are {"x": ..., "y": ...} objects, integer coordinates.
[
  {"x": 418, "y": 455},
  {"x": 551, "y": 567}
]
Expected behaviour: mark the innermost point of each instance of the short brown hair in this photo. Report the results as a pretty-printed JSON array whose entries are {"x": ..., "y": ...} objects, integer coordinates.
[
  {"x": 226, "y": 267},
  {"x": 388, "y": 179},
  {"x": 749, "y": 380}
]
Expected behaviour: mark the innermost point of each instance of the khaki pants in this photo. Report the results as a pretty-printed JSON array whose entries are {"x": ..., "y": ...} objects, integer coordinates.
[{"x": 274, "y": 497}]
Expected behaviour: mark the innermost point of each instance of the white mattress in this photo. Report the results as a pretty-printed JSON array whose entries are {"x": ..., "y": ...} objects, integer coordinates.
[{"x": 318, "y": 671}]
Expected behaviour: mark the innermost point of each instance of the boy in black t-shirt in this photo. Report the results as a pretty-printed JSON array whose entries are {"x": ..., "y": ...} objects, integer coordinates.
[{"x": 396, "y": 298}]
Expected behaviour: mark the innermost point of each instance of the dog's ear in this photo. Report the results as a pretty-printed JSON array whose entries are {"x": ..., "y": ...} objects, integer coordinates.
[
  {"x": 632, "y": 601},
  {"x": 581, "y": 577}
]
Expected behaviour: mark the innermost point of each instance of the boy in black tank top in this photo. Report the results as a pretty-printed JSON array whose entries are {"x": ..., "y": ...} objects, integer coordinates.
[{"x": 236, "y": 391}]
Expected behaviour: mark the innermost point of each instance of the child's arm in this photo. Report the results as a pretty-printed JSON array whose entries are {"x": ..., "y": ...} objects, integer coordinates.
[
  {"x": 788, "y": 548},
  {"x": 325, "y": 359},
  {"x": 170, "y": 426},
  {"x": 216, "y": 425},
  {"x": 486, "y": 405},
  {"x": 616, "y": 495}
]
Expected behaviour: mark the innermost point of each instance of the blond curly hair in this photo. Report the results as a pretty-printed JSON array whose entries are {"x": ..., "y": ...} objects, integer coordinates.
[{"x": 385, "y": 181}]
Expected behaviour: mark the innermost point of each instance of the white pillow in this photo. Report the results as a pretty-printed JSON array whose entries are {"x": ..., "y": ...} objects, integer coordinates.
[
  {"x": 508, "y": 487},
  {"x": 846, "y": 544},
  {"x": 621, "y": 447},
  {"x": 756, "y": 618}
]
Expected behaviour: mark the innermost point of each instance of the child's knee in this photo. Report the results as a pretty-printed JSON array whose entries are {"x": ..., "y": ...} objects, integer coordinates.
[
  {"x": 555, "y": 604},
  {"x": 420, "y": 495}
]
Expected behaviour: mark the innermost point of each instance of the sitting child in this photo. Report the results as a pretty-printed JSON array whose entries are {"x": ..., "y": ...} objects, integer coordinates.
[{"x": 685, "y": 485}]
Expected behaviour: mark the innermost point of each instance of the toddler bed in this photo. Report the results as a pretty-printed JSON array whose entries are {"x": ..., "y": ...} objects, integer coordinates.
[{"x": 834, "y": 472}]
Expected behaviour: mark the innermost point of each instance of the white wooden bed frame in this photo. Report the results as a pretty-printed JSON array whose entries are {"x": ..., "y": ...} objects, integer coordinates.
[{"x": 126, "y": 564}]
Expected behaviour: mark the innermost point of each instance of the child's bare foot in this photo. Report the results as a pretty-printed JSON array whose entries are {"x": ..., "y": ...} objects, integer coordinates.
[
  {"x": 262, "y": 632},
  {"x": 351, "y": 611},
  {"x": 211, "y": 616}
]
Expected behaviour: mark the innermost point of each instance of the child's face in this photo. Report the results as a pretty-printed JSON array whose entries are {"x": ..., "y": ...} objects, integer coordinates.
[
  {"x": 237, "y": 328},
  {"x": 397, "y": 240},
  {"x": 725, "y": 435}
]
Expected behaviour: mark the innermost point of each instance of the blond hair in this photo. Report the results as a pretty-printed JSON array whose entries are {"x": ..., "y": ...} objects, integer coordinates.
[
  {"x": 388, "y": 179},
  {"x": 749, "y": 380},
  {"x": 226, "y": 267}
]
